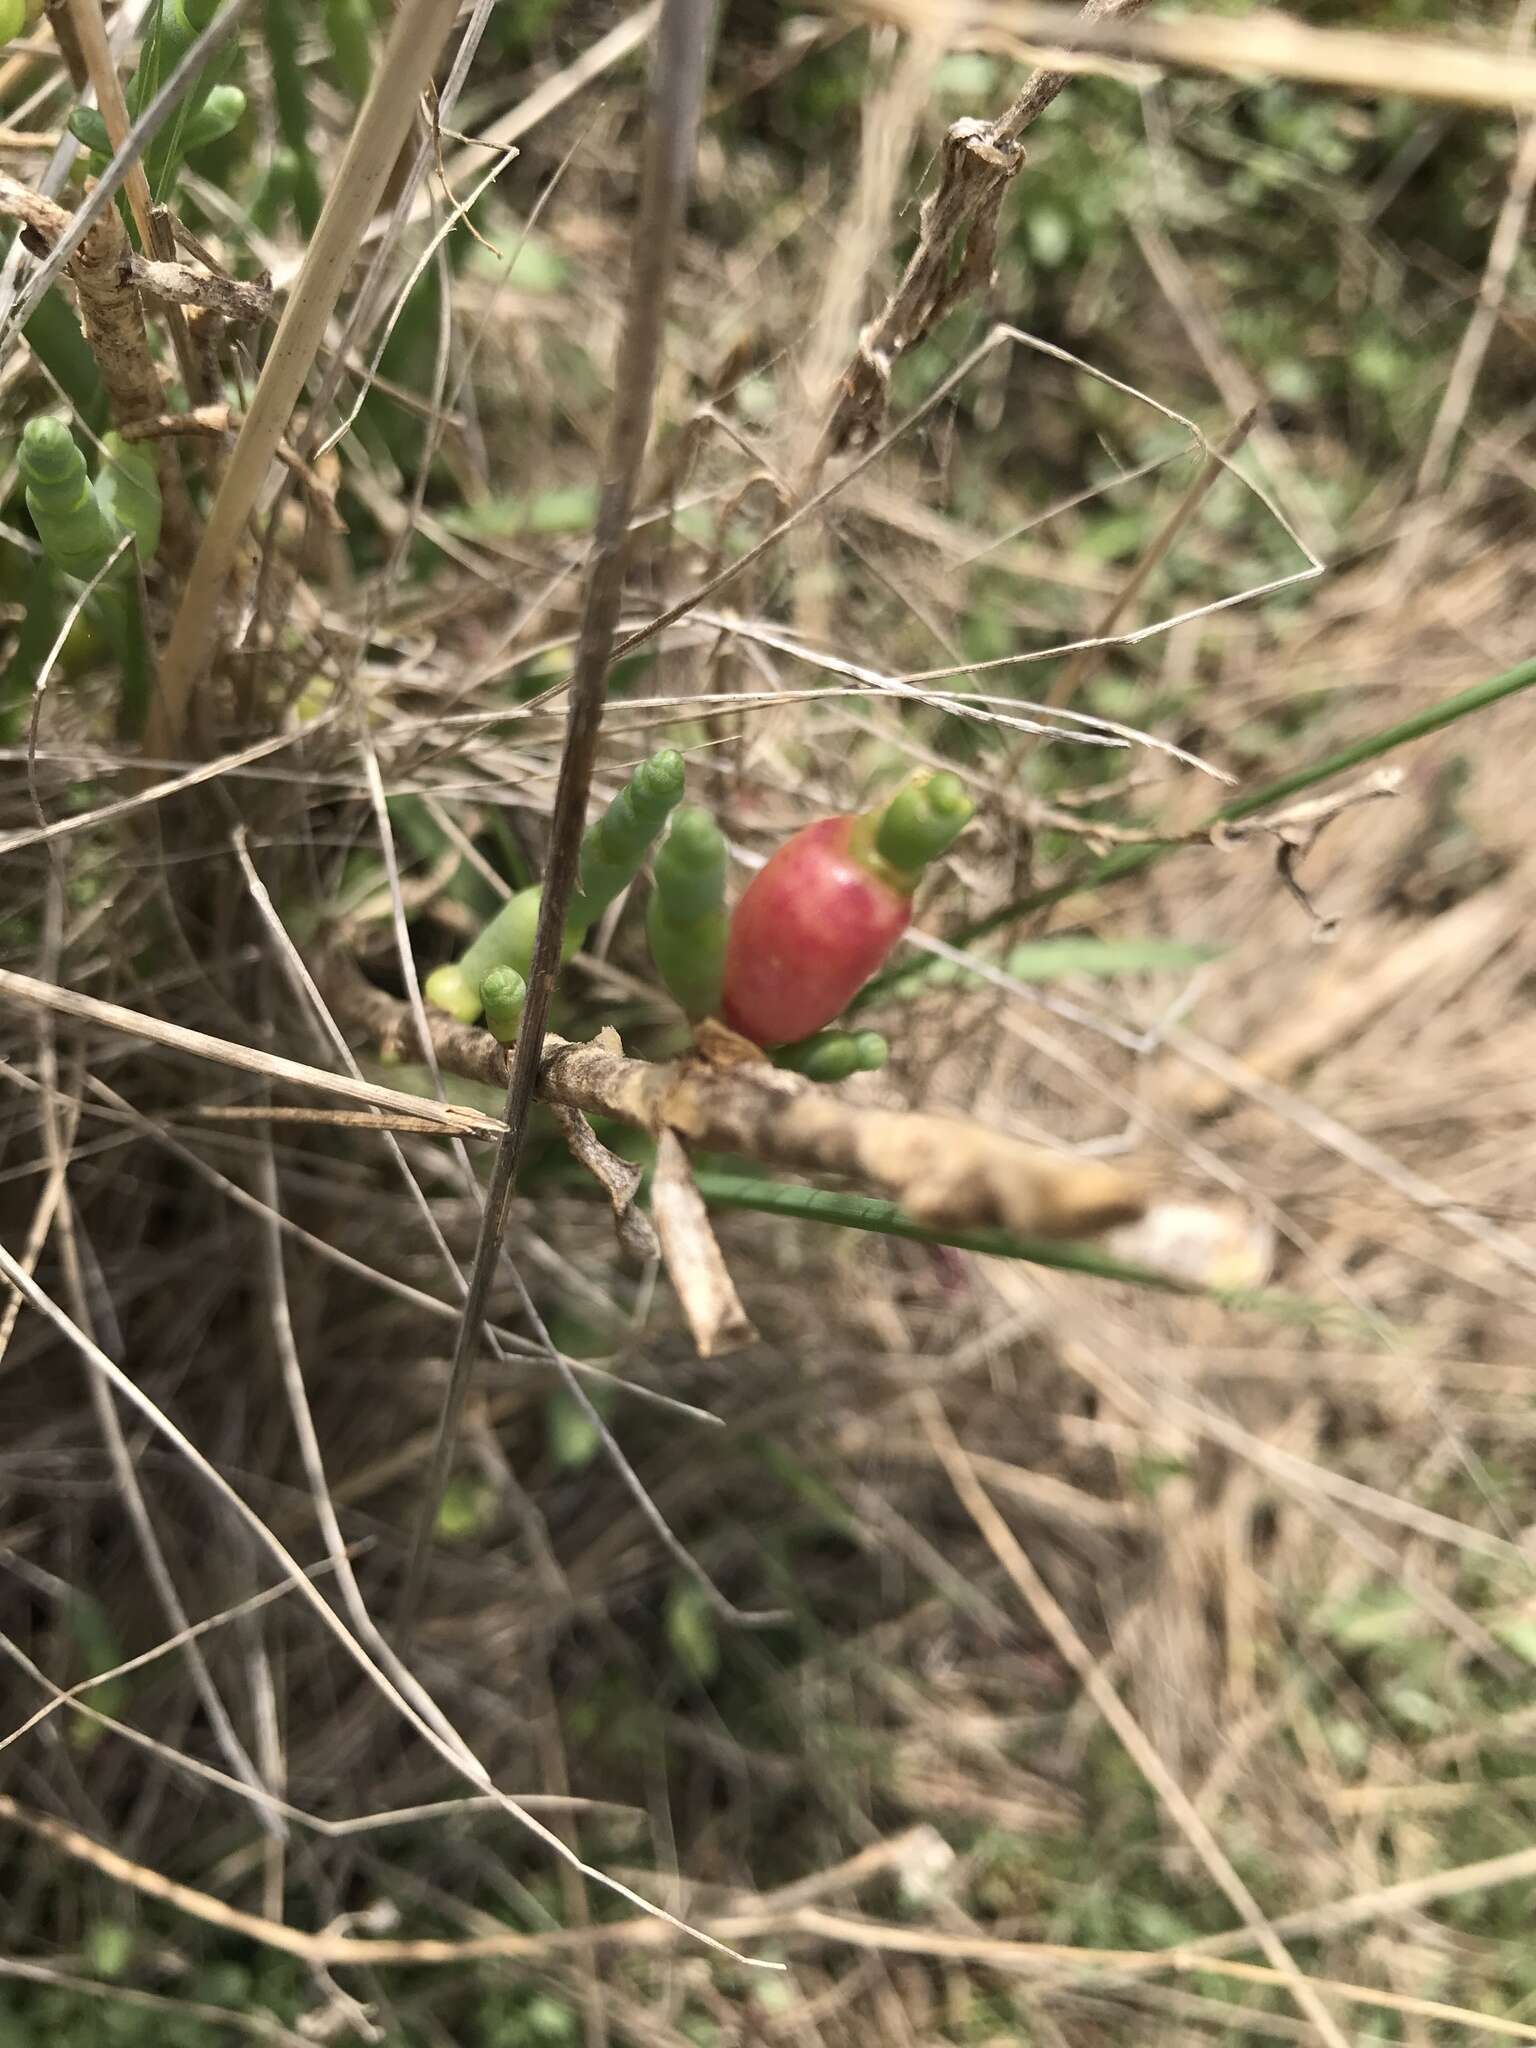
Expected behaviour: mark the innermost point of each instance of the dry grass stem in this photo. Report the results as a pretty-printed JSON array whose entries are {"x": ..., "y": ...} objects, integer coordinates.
[
  {"x": 89, "y": 37},
  {"x": 810, "y": 1922},
  {"x": 618, "y": 1178},
  {"x": 404, "y": 67},
  {"x": 683, "y": 39},
  {"x": 943, "y": 1172}
]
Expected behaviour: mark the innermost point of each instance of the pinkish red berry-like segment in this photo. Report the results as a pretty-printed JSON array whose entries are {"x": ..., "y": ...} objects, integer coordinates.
[{"x": 810, "y": 929}]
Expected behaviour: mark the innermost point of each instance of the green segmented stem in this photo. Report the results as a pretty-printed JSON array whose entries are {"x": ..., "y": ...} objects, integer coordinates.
[
  {"x": 39, "y": 624},
  {"x": 54, "y": 337},
  {"x": 16, "y": 16},
  {"x": 866, "y": 1212},
  {"x": 81, "y": 528},
  {"x": 222, "y": 110},
  {"x": 502, "y": 995},
  {"x": 922, "y": 820},
  {"x": 349, "y": 27},
  {"x": 835, "y": 1055},
  {"x": 178, "y": 24},
  {"x": 691, "y": 865},
  {"x": 78, "y": 536},
  {"x": 616, "y": 844},
  {"x": 507, "y": 941},
  {"x": 294, "y": 160},
  {"x": 686, "y": 921},
  {"x": 611, "y": 854},
  {"x": 128, "y": 492}
]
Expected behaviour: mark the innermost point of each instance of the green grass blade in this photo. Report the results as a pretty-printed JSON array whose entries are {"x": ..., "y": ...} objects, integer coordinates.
[
  {"x": 864, "y": 1212},
  {"x": 54, "y": 337},
  {"x": 39, "y": 625}
]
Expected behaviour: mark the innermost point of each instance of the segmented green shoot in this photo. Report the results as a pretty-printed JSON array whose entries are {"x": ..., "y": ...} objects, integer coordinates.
[
  {"x": 835, "y": 1055},
  {"x": 77, "y": 535},
  {"x": 612, "y": 853},
  {"x": 503, "y": 993},
  {"x": 292, "y": 177},
  {"x": 349, "y": 28},
  {"x": 616, "y": 844},
  {"x": 17, "y": 16},
  {"x": 1130, "y": 860},
  {"x": 922, "y": 820},
  {"x": 128, "y": 491},
  {"x": 686, "y": 921},
  {"x": 209, "y": 110},
  {"x": 82, "y": 526}
]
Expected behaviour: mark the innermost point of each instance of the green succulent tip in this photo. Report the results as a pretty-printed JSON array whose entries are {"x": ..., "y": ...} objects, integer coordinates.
[
  {"x": 832, "y": 1056},
  {"x": 661, "y": 777},
  {"x": 922, "y": 820},
  {"x": 16, "y": 16},
  {"x": 695, "y": 834},
  {"x": 48, "y": 448},
  {"x": 947, "y": 797},
  {"x": 871, "y": 1051},
  {"x": 448, "y": 989},
  {"x": 502, "y": 996}
]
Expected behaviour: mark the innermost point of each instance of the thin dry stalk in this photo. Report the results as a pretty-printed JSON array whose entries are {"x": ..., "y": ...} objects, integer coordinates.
[
  {"x": 694, "y": 1260},
  {"x": 151, "y": 1551},
  {"x": 1085, "y": 665},
  {"x": 677, "y": 93},
  {"x": 942, "y": 1172},
  {"x": 1508, "y": 235},
  {"x": 61, "y": 20},
  {"x": 256, "y": 2025},
  {"x": 889, "y": 123},
  {"x": 178, "y": 284},
  {"x": 405, "y": 65},
  {"x": 215, "y": 423},
  {"x": 1263, "y": 44},
  {"x": 155, "y": 237},
  {"x": 88, "y": 32},
  {"x": 467, "y": 164},
  {"x": 124, "y": 161}
]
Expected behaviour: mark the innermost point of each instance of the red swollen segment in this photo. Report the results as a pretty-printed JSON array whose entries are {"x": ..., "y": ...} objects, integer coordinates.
[{"x": 811, "y": 928}]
